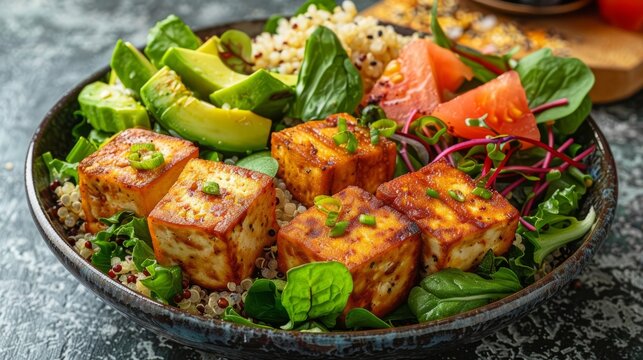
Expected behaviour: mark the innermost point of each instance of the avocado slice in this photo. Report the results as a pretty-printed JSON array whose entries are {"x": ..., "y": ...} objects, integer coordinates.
[
  {"x": 162, "y": 90},
  {"x": 168, "y": 33},
  {"x": 260, "y": 93},
  {"x": 109, "y": 108},
  {"x": 225, "y": 130},
  {"x": 211, "y": 46},
  {"x": 131, "y": 66},
  {"x": 201, "y": 72}
]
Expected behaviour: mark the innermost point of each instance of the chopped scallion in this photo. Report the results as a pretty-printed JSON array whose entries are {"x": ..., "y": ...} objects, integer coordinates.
[
  {"x": 341, "y": 125},
  {"x": 142, "y": 147},
  {"x": 367, "y": 219},
  {"x": 211, "y": 188},
  {"x": 456, "y": 195},
  {"x": 142, "y": 156},
  {"x": 339, "y": 229},
  {"x": 482, "y": 192},
  {"x": 331, "y": 219},
  {"x": 327, "y": 204},
  {"x": 432, "y": 193}
]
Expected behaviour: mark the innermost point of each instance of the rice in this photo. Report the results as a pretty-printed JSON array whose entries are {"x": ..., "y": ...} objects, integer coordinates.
[{"x": 370, "y": 46}]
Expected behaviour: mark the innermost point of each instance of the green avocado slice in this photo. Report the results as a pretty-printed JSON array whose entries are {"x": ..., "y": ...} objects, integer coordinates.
[
  {"x": 131, "y": 66},
  {"x": 109, "y": 108},
  {"x": 162, "y": 90},
  {"x": 201, "y": 72},
  {"x": 260, "y": 93},
  {"x": 168, "y": 33},
  {"x": 224, "y": 130}
]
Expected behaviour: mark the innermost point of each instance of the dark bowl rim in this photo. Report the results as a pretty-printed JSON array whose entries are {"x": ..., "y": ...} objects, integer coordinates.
[{"x": 57, "y": 243}]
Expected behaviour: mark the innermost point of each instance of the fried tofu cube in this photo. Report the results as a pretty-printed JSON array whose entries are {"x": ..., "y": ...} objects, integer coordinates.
[
  {"x": 109, "y": 184},
  {"x": 383, "y": 259},
  {"x": 215, "y": 238},
  {"x": 311, "y": 164},
  {"x": 454, "y": 234}
]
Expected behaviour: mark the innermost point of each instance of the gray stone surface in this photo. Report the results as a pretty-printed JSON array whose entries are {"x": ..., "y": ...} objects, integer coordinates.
[{"x": 47, "y": 47}]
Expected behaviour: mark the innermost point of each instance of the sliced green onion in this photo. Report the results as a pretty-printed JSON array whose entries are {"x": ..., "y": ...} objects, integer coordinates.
[
  {"x": 367, "y": 219},
  {"x": 432, "y": 125},
  {"x": 469, "y": 165},
  {"x": 331, "y": 219},
  {"x": 339, "y": 229},
  {"x": 142, "y": 147},
  {"x": 211, "y": 188},
  {"x": 370, "y": 114},
  {"x": 340, "y": 138},
  {"x": 553, "y": 175},
  {"x": 147, "y": 162},
  {"x": 477, "y": 122},
  {"x": 482, "y": 192},
  {"x": 375, "y": 136},
  {"x": 327, "y": 204},
  {"x": 351, "y": 145},
  {"x": 341, "y": 125},
  {"x": 432, "y": 193},
  {"x": 386, "y": 127},
  {"x": 456, "y": 195}
]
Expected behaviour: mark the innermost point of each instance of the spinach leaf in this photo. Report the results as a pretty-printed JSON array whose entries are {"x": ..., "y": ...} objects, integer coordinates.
[
  {"x": 232, "y": 316},
  {"x": 317, "y": 290},
  {"x": 327, "y": 5},
  {"x": 103, "y": 258},
  {"x": 263, "y": 302},
  {"x": 272, "y": 24},
  {"x": 401, "y": 314},
  {"x": 235, "y": 50},
  {"x": 170, "y": 32},
  {"x": 261, "y": 162},
  {"x": 569, "y": 124},
  {"x": 60, "y": 170},
  {"x": 312, "y": 326},
  {"x": 328, "y": 83},
  {"x": 452, "y": 291},
  {"x": 140, "y": 252},
  {"x": 547, "y": 78},
  {"x": 164, "y": 282},
  {"x": 135, "y": 234},
  {"x": 360, "y": 318}
]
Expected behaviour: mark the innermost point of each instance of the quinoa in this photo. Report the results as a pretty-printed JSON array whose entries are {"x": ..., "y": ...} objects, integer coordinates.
[{"x": 370, "y": 45}]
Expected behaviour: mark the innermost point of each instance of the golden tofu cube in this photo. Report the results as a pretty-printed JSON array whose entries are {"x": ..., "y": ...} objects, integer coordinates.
[
  {"x": 109, "y": 184},
  {"x": 311, "y": 164},
  {"x": 454, "y": 234},
  {"x": 383, "y": 259},
  {"x": 215, "y": 238}
]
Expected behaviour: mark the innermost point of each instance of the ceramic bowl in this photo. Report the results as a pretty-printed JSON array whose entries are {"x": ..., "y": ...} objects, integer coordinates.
[{"x": 237, "y": 341}]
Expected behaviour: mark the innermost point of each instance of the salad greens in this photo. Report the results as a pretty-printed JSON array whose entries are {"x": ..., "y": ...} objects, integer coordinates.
[
  {"x": 60, "y": 170},
  {"x": 261, "y": 162},
  {"x": 164, "y": 282},
  {"x": 360, "y": 318},
  {"x": 546, "y": 78},
  {"x": 452, "y": 291},
  {"x": 263, "y": 302},
  {"x": 168, "y": 33},
  {"x": 328, "y": 81}
]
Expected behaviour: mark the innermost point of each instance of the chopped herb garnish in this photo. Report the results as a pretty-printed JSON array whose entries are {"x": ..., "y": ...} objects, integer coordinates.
[
  {"x": 345, "y": 137},
  {"x": 143, "y": 156},
  {"x": 327, "y": 204},
  {"x": 211, "y": 188},
  {"x": 432, "y": 193},
  {"x": 367, "y": 219},
  {"x": 482, "y": 192},
  {"x": 456, "y": 195},
  {"x": 339, "y": 229},
  {"x": 331, "y": 219}
]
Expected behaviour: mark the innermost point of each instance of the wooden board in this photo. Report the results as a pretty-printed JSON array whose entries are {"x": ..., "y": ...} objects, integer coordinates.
[{"x": 614, "y": 55}]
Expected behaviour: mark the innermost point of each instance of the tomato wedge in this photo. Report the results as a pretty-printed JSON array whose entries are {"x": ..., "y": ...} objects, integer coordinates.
[
  {"x": 451, "y": 72},
  {"x": 408, "y": 84},
  {"x": 502, "y": 100},
  {"x": 417, "y": 80}
]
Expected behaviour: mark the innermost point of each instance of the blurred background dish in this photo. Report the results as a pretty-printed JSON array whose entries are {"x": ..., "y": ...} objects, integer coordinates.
[{"x": 535, "y": 7}]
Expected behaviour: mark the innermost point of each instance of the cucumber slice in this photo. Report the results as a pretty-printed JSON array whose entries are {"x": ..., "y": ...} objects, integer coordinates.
[
  {"x": 168, "y": 33},
  {"x": 131, "y": 66},
  {"x": 109, "y": 108}
]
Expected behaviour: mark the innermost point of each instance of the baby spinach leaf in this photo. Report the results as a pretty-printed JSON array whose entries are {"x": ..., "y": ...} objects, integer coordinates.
[
  {"x": 401, "y": 314},
  {"x": 327, "y": 5},
  {"x": 261, "y": 162},
  {"x": 263, "y": 302},
  {"x": 164, "y": 282},
  {"x": 232, "y": 316},
  {"x": 452, "y": 291},
  {"x": 103, "y": 258},
  {"x": 547, "y": 78},
  {"x": 167, "y": 33},
  {"x": 569, "y": 124},
  {"x": 317, "y": 290},
  {"x": 235, "y": 50},
  {"x": 360, "y": 318},
  {"x": 328, "y": 83}
]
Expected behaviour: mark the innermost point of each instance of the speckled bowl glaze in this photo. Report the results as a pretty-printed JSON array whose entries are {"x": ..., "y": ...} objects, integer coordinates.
[{"x": 236, "y": 341}]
